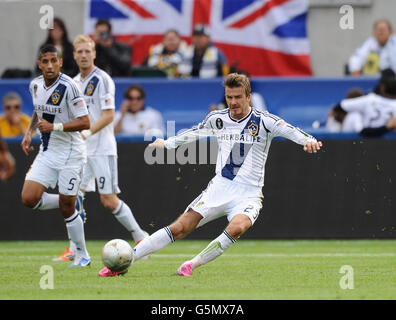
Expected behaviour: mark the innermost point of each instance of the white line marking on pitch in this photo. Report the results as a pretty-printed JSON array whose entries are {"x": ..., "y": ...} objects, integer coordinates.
[{"x": 283, "y": 255}]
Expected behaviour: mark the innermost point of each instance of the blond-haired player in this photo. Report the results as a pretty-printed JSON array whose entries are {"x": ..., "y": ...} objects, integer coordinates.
[{"x": 98, "y": 90}]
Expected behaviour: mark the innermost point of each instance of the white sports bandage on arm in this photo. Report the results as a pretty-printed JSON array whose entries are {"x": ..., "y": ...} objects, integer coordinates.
[
  {"x": 86, "y": 133},
  {"x": 58, "y": 126}
]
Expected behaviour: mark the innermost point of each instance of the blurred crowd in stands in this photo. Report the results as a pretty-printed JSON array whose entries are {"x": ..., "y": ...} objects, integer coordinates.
[
  {"x": 372, "y": 114},
  {"x": 369, "y": 114},
  {"x": 173, "y": 57}
]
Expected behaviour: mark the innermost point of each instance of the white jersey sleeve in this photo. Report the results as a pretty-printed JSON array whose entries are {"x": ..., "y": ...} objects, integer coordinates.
[
  {"x": 75, "y": 101},
  {"x": 107, "y": 92},
  {"x": 202, "y": 130},
  {"x": 280, "y": 128}
]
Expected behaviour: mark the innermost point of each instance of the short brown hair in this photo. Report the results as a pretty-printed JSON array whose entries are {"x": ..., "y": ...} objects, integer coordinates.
[
  {"x": 234, "y": 80},
  {"x": 136, "y": 87},
  {"x": 354, "y": 93}
]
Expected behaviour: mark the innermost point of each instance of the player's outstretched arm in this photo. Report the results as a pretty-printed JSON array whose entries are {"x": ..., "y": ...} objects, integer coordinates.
[{"x": 286, "y": 130}]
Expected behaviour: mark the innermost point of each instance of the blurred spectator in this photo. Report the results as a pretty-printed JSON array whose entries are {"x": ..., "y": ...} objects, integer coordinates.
[
  {"x": 111, "y": 56},
  {"x": 385, "y": 74},
  {"x": 202, "y": 59},
  {"x": 377, "y": 53},
  {"x": 378, "y": 112},
  {"x": 13, "y": 122},
  {"x": 388, "y": 92},
  {"x": 341, "y": 121},
  {"x": 59, "y": 38},
  {"x": 7, "y": 161},
  {"x": 135, "y": 118},
  {"x": 167, "y": 55}
]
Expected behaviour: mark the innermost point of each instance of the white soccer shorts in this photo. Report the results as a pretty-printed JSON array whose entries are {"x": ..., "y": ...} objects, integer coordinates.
[
  {"x": 225, "y": 197},
  {"x": 68, "y": 176},
  {"x": 104, "y": 170}
]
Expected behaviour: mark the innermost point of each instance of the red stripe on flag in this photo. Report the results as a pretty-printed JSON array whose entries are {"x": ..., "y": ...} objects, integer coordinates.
[
  {"x": 258, "y": 13},
  {"x": 264, "y": 62},
  {"x": 137, "y": 8},
  {"x": 201, "y": 12}
]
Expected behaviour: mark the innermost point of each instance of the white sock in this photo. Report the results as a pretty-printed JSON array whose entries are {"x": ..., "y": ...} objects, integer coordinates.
[
  {"x": 153, "y": 243},
  {"x": 213, "y": 250},
  {"x": 48, "y": 201},
  {"x": 75, "y": 230},
  {"x": 124, "y": 216},
  {"x": 72, "y": 245}
]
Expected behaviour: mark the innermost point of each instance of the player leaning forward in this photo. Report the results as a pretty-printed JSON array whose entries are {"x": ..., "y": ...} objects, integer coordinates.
[
  {"x": 59, "y": 113},
  {"x": 244, "y": 136}
]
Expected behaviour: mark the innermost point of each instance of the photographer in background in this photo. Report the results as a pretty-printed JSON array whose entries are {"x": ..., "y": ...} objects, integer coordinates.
[{"x": 111, "y": 56}]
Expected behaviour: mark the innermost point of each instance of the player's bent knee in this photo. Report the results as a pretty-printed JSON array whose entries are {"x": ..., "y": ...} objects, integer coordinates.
[
  {"x": 107, "y": 204},
  {"x": 235, "y": 231},
  {"x": 110, "y": 202},
  {"x": 29, "y": 201},
  {"x": 178, "y": 230},
  {"x": 238, "y": 226},
  {"x": 185, "y": 224},
  {"x": 31, "y": 193},
  {"x": 67, "y": 205}
]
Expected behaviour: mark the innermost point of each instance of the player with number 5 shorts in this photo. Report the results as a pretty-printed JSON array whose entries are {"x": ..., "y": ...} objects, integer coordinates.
[{"x": 59, "y": 114}]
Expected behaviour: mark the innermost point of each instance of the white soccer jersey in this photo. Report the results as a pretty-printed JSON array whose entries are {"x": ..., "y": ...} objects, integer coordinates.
[
  {"x": 99, "y": 90},
  {"x": 61, "y": 102},
  {"x": 375, "y": 110},
  {"x": 243, "y": 145}
]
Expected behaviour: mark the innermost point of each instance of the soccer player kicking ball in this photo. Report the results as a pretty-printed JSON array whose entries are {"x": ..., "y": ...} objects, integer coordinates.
[
  {"x": 244, "y": 136},
  {"x": 59, "y": 113}
]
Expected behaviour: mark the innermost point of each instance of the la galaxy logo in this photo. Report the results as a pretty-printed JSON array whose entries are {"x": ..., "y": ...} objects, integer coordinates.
[
  {"x": 91, "y": 86},
  {"x": 90, "y": 89},
  {"x": 253, "y": 129},
  {"x": 55, "y": 97},
  {"x": 219, "y": 123}
]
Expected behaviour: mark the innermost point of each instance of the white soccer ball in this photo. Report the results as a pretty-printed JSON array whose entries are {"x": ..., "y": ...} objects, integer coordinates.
[{"x": 117, "y": 255}]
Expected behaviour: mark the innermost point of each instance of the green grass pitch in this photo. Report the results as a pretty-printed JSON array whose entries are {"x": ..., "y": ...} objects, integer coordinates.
[{"x": 249, "y": 270}]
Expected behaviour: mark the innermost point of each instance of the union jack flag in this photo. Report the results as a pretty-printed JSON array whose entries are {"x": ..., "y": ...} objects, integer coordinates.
[{"x": 264, "y": 37}]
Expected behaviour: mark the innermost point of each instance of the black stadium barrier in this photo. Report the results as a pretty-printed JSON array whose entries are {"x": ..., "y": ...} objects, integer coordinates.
[{"x": 345, "y": 191}]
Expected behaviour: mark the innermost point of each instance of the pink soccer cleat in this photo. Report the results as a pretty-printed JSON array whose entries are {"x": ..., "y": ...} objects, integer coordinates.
[
  {"x": 185, "y": 269},
  {"x": 106, "y": 272}
]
